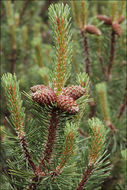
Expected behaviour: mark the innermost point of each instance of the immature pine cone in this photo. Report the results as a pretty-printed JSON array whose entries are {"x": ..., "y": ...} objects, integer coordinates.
[
  {"x": 117, "y": 28},
  {"x": 91, "y": 29},
  {"x": 67, "y": 104},
  {"x": 107, "y": 20},
  {"x": 74, "y": 92},
  {"x": 44, "y": 96}
]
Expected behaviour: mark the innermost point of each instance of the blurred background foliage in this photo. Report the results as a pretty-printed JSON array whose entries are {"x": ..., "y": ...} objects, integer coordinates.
[{"x": 26, "y": 49}]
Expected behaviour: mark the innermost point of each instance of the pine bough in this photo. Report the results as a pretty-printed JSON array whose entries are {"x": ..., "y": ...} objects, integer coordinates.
[{"x": 47, "y": 152}]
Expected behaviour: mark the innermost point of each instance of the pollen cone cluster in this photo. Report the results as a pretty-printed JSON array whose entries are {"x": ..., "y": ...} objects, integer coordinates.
[{"x": 44, "y": 95}]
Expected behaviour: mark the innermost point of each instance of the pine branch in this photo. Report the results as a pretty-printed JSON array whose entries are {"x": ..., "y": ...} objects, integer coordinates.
[
  {"x": 102, "y": 95},
  {"x": 97, "y": 142},
  {"x": 85, "y": 178},
  {"x": 60, "y": 21},
  {"x": 96, "y": 149},
  {"x": 70, "y": 135},
  {"x": 80, "y": 18},
  {"x": 114, "y": 22},
  {"x": 53, "y": 125},
  {"x": 14, "y": 103},
  {"x": 27, "y": 154}
]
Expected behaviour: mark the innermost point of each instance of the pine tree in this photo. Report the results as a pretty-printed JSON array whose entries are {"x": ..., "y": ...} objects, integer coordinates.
[{"x": 66, "y": 99}]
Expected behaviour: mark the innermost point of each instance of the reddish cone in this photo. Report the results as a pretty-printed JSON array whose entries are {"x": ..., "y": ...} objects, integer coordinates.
[
  {"x": 74, "y": 92},
  {"x": 105, "y": 19},
  {"x": 44, "y": 96},
  {"x": 38, "y": 87},
  {"x": 67, "y": 104},
  {"x": 117, "y": 28},
  {"x": 91, "y": 29}
]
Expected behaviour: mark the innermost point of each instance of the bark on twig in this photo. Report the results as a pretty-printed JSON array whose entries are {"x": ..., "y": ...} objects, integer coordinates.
[
  {"x": 50, "y": 140},
  {"x": 23, "y": 10},
  {"x": 85, "y": 177},
  {"x": 92, "y": 109},
  {"x": 27, "y": 154},
  {"x": 112, "y": 53},
  {"x": 12, "y": 60},
  {"x": 112, "y": 127},
  {"x": 86, "y": 52},
  {"x": 103, "y": 69},
  {"x": 124, "y": 104}
]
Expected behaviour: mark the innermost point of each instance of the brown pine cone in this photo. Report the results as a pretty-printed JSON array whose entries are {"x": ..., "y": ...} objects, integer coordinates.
[
  {"x": 44, "y": 96},
  {"x": 74, "y": 92},
  {"x": 117, "y": 28},
  {"x": 91, "y": 29},
  {"x": 67, "y": 104},
  {"x": 107, "y": 20},
  {"x": 39, "y": 87}
]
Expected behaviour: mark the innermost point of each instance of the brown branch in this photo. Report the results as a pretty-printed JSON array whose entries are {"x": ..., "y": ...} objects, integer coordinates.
[
  {"x": 124, "y": 104},
  {"x": 82, "y": 133},
  {"x": 122, "y": 107},
  {"x": 13, "y": 60},
  {"x": 50, "y": 140},
  {"x": 112, "y": 53},
  {"x": 85, "y": 177},
  {"x": 87, "y": 69},
  {"x": 23, "y": 10},
  {"x": 47, "y": 152},
  {"x": 112, "y": 127},
  {"x": 92, "y": 109},
  {"x": 103, "y": 69},
  {"x": 27, "y": 154},
  {"x": 45, "y": 7},
  {"x": 2, "y": 14},
  {"x": 86, "y": 51}
]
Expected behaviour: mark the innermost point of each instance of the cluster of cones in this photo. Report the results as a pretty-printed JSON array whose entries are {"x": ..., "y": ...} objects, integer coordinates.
[
  {"x": 114, "y": 24},
  {"x": 66, "y": 101},
  {"x": 91, "y": 29}
]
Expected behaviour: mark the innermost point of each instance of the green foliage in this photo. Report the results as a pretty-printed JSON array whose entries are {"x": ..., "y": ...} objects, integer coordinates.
[
  {"x": 60, "y": 20},
  {"x": 14, "y": 102},
  {"x": 102, "y": 94},
  {"x": 81, "y": 152},
  {"x": 98, "y": 138}
]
